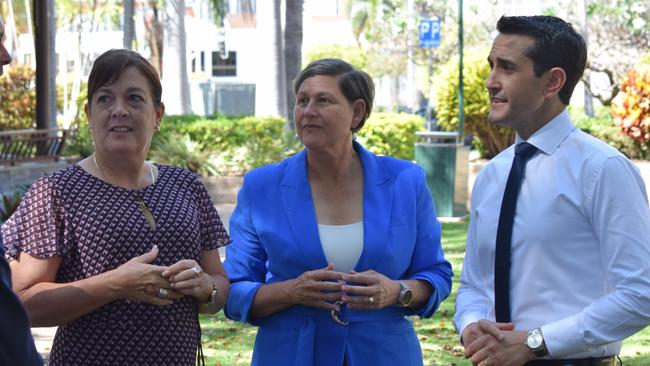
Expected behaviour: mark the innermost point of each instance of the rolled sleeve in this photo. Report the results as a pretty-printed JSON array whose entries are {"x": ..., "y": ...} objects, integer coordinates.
[
  {"x": 428, "y": 261},
  {"x": 245, "y": 261}
]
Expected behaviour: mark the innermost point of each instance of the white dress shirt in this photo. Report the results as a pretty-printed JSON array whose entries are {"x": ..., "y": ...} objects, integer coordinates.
[{"x": 580, "y": 244}]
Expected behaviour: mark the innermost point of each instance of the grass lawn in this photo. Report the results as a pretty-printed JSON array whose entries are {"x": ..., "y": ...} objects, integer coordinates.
[{"x": 227, "y": 343}]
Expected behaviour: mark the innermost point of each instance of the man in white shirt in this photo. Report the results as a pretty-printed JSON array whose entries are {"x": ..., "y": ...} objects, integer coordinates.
[{"x": 577, "y": 252}]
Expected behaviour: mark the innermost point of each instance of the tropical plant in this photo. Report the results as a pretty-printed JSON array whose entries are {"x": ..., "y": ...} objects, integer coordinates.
[
  {"x": 602, "y": 126},
  {"x": 631, "y": 107},
  {"x": 619, "y": 35},
  {"x": 182, "y": 151},
  {"x": 18, "y": 102},
  {"x": 492, "y": 139},
  {"x": 10, "y": 203}
]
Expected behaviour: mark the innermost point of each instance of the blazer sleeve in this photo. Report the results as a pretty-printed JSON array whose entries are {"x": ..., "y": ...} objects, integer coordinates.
[
  {"x": 245, "y": 259},
  {"x": 428, "y": 262}
]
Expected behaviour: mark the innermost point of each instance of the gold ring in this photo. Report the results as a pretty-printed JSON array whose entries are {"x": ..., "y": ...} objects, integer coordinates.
[
  {"x": 371, "y": 299},
  {"x": 335, "y": 315}
]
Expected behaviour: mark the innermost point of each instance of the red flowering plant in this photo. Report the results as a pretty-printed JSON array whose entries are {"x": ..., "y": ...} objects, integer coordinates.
[{"x": 631, "y": 107}]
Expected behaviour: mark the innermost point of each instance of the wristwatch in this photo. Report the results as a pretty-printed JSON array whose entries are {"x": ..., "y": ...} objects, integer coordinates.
[
  {"x": 535, "y": 341},
  {"x": 405, "y": 295},
  {"x": 213, "y": 297}
]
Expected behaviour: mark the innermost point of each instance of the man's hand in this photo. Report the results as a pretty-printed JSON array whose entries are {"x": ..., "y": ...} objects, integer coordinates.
[
  {"x": 483, "y": 327},
  {"x": 497, "y": 346}
]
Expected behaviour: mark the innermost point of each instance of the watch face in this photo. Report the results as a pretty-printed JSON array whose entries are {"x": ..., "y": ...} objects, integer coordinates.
[
  {"x": 406, "y": 298},
  {"x": 534, "y": 340}
]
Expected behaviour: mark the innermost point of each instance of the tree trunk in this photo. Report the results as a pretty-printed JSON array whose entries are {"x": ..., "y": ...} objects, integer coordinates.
[
  {"x": 271, "y": 94},
  {"x": 176, "y": 88},
  {"x": 129, "y": 25},
  {"x": 292, "y": 52},
  {"x": 154, "y": 33}
]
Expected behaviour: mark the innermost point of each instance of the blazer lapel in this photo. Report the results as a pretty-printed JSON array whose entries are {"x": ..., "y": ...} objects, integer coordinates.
[
  {"x": 299, "y": 207},
  {"x": 377, "y": 207}
]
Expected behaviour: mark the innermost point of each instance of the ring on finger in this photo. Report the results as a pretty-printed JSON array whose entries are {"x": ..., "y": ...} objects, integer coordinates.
[
  {"x": 197, "y": 271},
  {"x": 371, "y": 299},
  {"x": 162, "y": 293}
]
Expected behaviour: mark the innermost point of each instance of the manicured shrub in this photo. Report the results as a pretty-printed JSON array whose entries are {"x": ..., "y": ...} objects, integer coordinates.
[
  {"x": 354, "y": 55},
  {"x": 492, "y": 139},
  {"x": 391, "y": 134},
  {"x": 235, "y": 145}
]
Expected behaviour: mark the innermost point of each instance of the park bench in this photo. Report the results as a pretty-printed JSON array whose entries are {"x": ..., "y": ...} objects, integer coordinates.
[{"x": 19, "y": 146}]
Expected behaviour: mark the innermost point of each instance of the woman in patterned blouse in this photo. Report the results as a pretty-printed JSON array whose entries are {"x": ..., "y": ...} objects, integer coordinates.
[{"x": 120, "y": 253}]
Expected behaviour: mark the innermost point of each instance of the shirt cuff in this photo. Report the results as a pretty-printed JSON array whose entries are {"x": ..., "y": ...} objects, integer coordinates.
[
  {"x": 563, "y": 337},
  {"x": 466, "y": 319}
]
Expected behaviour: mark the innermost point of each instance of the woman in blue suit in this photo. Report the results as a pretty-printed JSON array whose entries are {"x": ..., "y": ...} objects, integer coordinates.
[{"x": 334, "y": 246}]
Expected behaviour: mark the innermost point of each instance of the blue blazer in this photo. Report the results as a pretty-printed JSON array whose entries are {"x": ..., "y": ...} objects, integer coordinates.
[{"x": 275, "y": 238}]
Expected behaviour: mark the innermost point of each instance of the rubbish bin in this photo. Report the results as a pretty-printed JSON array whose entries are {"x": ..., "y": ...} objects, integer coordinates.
[{"x": 445, "y": 163}]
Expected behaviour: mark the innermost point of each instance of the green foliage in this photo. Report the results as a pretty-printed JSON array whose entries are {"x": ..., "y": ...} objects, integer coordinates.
[
  {"x": 354, "y": 55},
  {"x": 10, "y": 203},
  {"x": 235, "y": 144},
  {"x": 391, "y": 134},
  {"x": 182, "y": 151},
  {"x": 18, "y": 102},
  {"x": 80, "y": 144},
  {"x": 646, "y": 59},
  {"x": 492, "y": 139},
  {"x": 602, "y": 126}
]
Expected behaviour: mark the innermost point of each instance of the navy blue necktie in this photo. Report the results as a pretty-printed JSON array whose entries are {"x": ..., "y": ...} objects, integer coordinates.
[{"x": 502, "y": 259}]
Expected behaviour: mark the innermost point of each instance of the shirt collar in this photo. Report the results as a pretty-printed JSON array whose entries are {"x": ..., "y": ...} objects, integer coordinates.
[{"x": 549, "y": 137}]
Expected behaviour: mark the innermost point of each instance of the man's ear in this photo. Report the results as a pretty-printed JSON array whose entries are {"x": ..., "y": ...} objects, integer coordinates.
[{"x": 556, "y": 80}]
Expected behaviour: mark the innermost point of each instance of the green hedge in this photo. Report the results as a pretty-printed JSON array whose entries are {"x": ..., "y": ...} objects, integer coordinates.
[
  {"x": 391, "y": 134},
  {"x": 489, "y": 139},
  {"x": 235, "y": 145}
]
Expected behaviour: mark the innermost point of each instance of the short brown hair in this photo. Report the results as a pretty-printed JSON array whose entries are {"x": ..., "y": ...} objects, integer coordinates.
[
  {"x": 354, "y": 83},
  {"x": 111, "y": 64}
]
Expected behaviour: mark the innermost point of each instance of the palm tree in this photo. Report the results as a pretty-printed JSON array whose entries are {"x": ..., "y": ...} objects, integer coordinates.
[
  {"x": 174, "y": 75},
  {"x": 129, "y": 25},
  {"x": 292, "y": 52},
  {"x": 271, "y": 95}
]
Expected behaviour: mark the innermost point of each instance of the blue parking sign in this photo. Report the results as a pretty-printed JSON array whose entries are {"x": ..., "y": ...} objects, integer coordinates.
[{"x": 430, "y": 33}]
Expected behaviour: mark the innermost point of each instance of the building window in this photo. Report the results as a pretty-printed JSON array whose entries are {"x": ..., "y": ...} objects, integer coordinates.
[
  {"x": 224, "y": 66},
  {"x": 198, "y": 62}
]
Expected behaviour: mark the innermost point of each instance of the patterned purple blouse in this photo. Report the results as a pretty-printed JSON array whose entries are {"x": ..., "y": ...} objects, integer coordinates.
[{"x": 95, "y": 227}]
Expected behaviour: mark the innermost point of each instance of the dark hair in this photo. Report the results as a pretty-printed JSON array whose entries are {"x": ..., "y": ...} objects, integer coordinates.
[
  {"x": 557, "y": 44},
  {"x": 354, "y": 83},
  {"x": 111, "y": 64}
]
